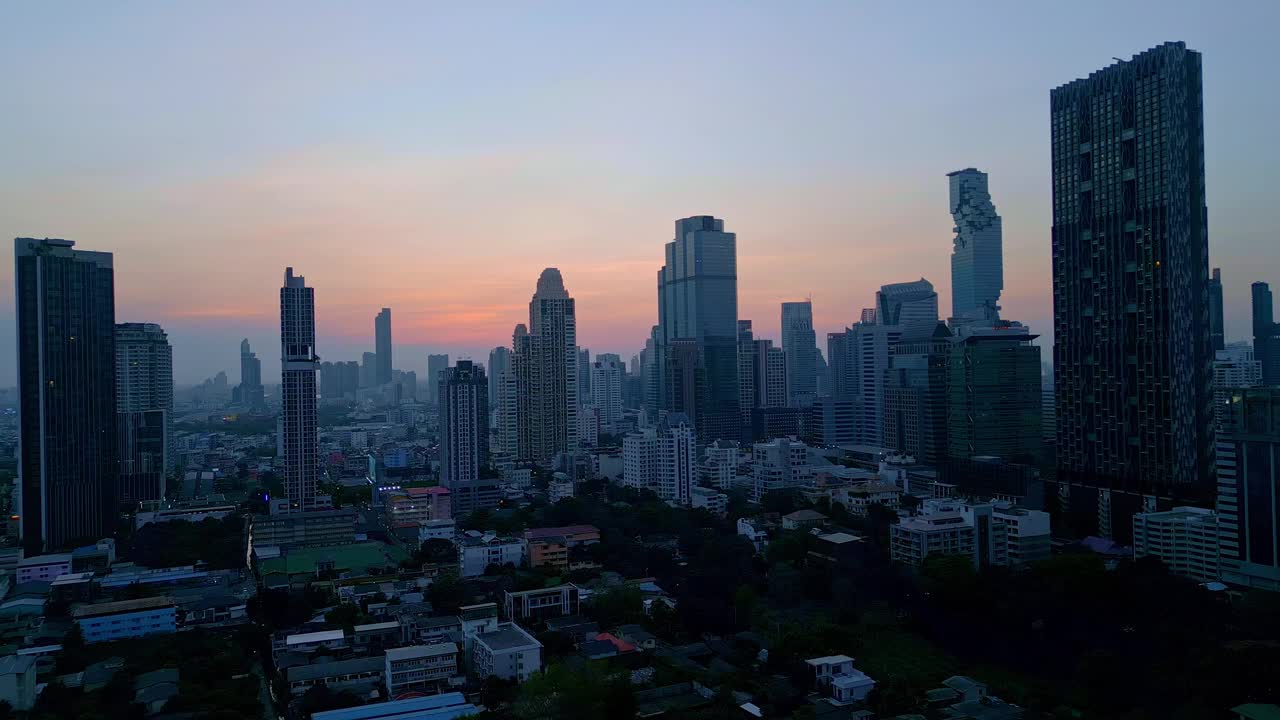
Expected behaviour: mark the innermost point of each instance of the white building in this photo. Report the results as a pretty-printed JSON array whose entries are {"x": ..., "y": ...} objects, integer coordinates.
[
  {"x": 43, "y": 568},
  {"x": 1233, "y": 367},
  {"x": 709, "y": 499},
  {"x": 126, "y": 619},
  {"x": 436, "y": 530},
  {"x": 640, "y": 460},
  {"x": 478, "y": 551},
  {"x": 720, "y": 466},
  {"x": 1028, "y": 533},
  {"x": 606, "y": 390},
  {"x": 588, "y": 426},
  {"x": 913, "y": 539},
  {"x": 1185, "y": 539},
  {"x": 677, "y": 459},
  {"x": 508, "y": 652},
  {"x": 835, "y": 676},
  {"x": 858, "y": 498},
  {"x": 777, "y": 465},
  {"x": 559, "y": 489},
  {"x": 755, "y": 532},
  {"x": 427, "y": 669}
]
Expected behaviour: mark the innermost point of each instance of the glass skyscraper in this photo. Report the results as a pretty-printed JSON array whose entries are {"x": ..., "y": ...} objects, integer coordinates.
[
  {"x": 801, "y": 349},
  {"x": 698, "y": 301},
  {"x": 977, "y": 259},
  {"x": 1249, "y": 488},
  {"x": 1266, "y": 333},
  {"x": 1132, "y": 355},
  {"x": 68, "y": 453}
]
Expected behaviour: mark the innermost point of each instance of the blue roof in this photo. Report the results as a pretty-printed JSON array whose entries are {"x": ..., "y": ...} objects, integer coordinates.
[{"x": 445, "y": 706}]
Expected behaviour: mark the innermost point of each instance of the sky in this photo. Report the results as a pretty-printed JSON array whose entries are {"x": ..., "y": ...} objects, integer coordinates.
[{"x": 435, "y": 157}]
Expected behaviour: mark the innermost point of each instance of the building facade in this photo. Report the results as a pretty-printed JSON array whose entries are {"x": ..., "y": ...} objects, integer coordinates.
[
  {"x": 1132, "y": 353},
  {"x": 1248, "y": 460},
  {"x": 607, "y": 375},
  {"x": 545, "y": 366},
  {"x": 68, "y": 444},
  {"x": 994, "y": 403},
  {"x": 299, "y": 424},
  {"x": 382, "y": 346},
  {"x": 977, "y": 254},
  {"x": 1185, "y": 539},
  {"x": 1233, "y": 367},
  {"x": 1266, "y": 333},
  {"x": 1217, "y": 334},
  {"x": 144, "y": 407},
  {"x": 912, "y": 306},
  {"x": 464, "y": 438},
  {"x": 800, "y": 348}
]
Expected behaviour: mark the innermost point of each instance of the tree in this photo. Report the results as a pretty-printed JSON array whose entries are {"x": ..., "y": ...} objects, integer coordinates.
[
  {"x": 319, "y": 698},
  {"x": 586, "y": 693},
  {"x": 345, "y": 615}
]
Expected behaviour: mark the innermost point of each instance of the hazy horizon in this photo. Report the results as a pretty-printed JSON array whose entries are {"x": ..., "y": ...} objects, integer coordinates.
[{"x": 436, "y": 160}]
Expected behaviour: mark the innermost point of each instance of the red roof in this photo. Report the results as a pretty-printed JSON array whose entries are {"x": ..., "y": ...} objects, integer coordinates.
[{"x": 622, "y": 645}]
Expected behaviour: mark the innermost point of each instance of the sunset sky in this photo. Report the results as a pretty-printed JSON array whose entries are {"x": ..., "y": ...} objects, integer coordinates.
[{"x": 435, "y": 157}]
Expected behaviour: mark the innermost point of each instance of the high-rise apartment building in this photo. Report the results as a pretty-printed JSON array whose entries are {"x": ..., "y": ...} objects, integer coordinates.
[
  {"x": 499, "y": 363},
  {"x": 584, "y": 377},
  {"x": 464, "y": 438},
  {"x": 663, "y": 460},
  {"x": 250, "y": 391},
  {"x": 436, "y": 365},
  {"x": 1248, "y": 457},
  {"x": 606, "y": 387},
  {"x": 67, "y": 443},
  {"x": 368, "y": 370},
  {"x": 545, "y": 364},
  {"x": 1217, "y": 334},
  {"x": 801, "y": 350},
  {"x": 1233, "y": 367},
  {"x": 1132, "y": 353},
  {"x": 911, "y": 306},
  {"x": 1266, "y": 334},
  {"x": 144, "y": 410},
  {"x": 770, "y": 385},
  {"x": 994, "y": 405},
  {"x": 299, "y": 425},
  {"x": 977, "y": 259},
  {"x": 382, "y": 344},
  {"x": 859, "y": 365},
  {"x": 698, "y": 302}
]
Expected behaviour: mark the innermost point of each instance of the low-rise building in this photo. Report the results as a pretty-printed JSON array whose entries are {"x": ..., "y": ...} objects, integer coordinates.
[
  {"x": 446, "y": 706},
  {"x": 195, "y": 512},
  {"x": 126, "y": 619},
  {"x": 913, "y": 539},
  {"x": 803, "y": 520},
  {"x": 540, "y": 604},
  {"x": 43, "y": 568},
  {"x": 355, "y": 675},
  {"x": 303, "y": 529},
  {"x": 427, "y": 669},
  {"x": 376, "y": 636},
  {"x": 858, "y": 498},
  {"x": 1185, "y": 539},
  {"x": 1028, "y": 534},
  {"x": 754, "y": 531},
  {"x": 437, "y": 530},
  {"x": 508, "y": 652},
  {"x": 308, "y": 642},
  {"x": 414, "y": 505},
  {"x": 18, "y": 681},
  {"x": 837, "y": 678},
  {"x": 477, "y": 551},
  {"x": 709, "y": 499}
]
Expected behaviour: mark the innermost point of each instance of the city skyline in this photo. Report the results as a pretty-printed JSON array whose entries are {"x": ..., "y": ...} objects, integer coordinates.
[{"x": 830, "y": 207}]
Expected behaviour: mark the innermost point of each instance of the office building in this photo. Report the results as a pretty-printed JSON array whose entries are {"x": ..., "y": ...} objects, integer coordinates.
[
  {"x": 1185, "y": 539},
  {"x": 382, "y": 345},
  {"x": 1217, "y": 334},
  {"x": 698, "y": 303},
  {"x": 607, "y": 375},
  {"x": 436, "y": 365},
  {"x": 545, "y": 365},
  {"x": 800, "y": 348},
  {"x": 584, "y": 377},
  {"x": 1248, "y": 458},
  {"x": 249, "y": 392},
  {"x": 1027, "y": 533},
  {"x": 1266, "y": 334},
  {"x": 1132, "y": 353},
  {"x": 464, "y": 438},
  {"x": 299, "y": 428},
  {"x": 915, "y": 397},
  {"x": 1233, "y": 367},
  {"x": 144, "y": 407},
  {"x": 499, "y": 363},
  {"x": 769, "y": 388},
  {"x": 67, "y": 450},
  {"x": 994, "y": 405},
  {"x": 426, "y": 669},
  {"x": 832, "y": 422},
  {"x": 859, "y": 369},
  {"x": 977, "y": 255},
  {"x": 339, "y": 379},
  {"x": 912, "y": 306}
]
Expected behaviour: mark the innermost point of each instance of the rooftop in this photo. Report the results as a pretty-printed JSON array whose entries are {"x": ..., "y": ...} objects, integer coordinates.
[
  {"x": 11, "y": 664},
  {"x": 314, "y": 637},
  {"x": 356, "y": 556},
  {"x": 335, "y": 667},
  {"x": 805, "y": 515},
  {"x": 121, "y": 606},
  {"x": 420, "y": 651},
  {"x": 829, "y": 660},
  {"x": 507, "y": 637},
  {"x": 374, "y": 627},
  {"x": 410, "y": 708}
]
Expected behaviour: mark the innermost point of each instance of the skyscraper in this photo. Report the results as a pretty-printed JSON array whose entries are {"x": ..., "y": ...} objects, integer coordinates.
[
  {"x": 859, "y": 370},
  {"x": 746, "y": 372},
  {"x": 144, "y": 410},
  {"x": 606, "y": 388},
  {"x": 382, "y": 344},
  {"x": 911, "y": 306},
  {"x": 1266, "y": 334},
  {"x": 770, "y": 384},
  {"x": 298, "y": 366},
  {"x": 436, "y": 365},
  {"x": 977, "y": 261},
  {"x": 915, "y": 397},
  {"x": 698, "y": 301},
  {"x": 1248, "y": 452},
  {"x": 1234, "y": 367},
  {"x": 499, "y": 363},
  {"x": 1217, "y": 335},
  {"x": 801, "y": 348},
  {"x": 994, "y": 405},
  {"x": 1132, "y": 357},
  {"x": 677, "y": 459},
  {"x": 464, "y": 438},
  {"x": 368, "y": 370},
  {"x": 250, "y": 391},
  {"x": 545, "y": 364},
  {"x": 67, "y": 454},
  {"x": 584, "y": 377}
]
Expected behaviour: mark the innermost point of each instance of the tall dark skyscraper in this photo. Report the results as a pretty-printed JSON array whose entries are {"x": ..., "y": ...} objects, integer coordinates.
[
  {"x": 499, "y": 364},
  {"x": 250, "y": 390},
  {"x": 298, "y": 367},
  {"x": 801, "y": 349},
  {"x": 144, "y": 407},
  {"x": 67, "y": 455},
  {"x": 1217, "y": 336},
  {"x": 698, "y": 301},
  {"x": 464, "y": 438},
  {"x": 1266, "y": 334},
  {"x": 436, "y": 365},
  {"x": 1249, "y": 488},
  {"x": 1132, "y": 354},
  {"x": 382, "y": 345}
]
